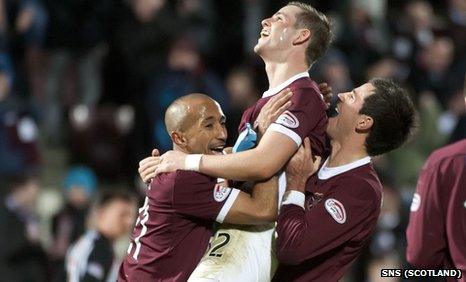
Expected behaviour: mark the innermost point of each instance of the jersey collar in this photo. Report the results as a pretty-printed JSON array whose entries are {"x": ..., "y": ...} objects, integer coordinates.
[
  {"x": 282, "y": 85},
  {"x": 329, "y": 172}
]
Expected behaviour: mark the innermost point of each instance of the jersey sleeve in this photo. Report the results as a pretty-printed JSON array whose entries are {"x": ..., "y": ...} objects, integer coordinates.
[
  {"x": 304, "y": 233},
  {"x": 197, "y": 195},
  {"x": 305, "y": 113},
  {"x": 426, "y": 233}
]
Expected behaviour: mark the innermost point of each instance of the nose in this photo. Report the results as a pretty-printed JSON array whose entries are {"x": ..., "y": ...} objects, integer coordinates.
[
  {"x": 222, "y": 133},
  {"x": 265, "y": 22},
  {"x": 341, "y": 96}
]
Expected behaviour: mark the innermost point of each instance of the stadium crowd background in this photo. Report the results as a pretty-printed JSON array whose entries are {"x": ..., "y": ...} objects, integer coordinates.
[{"x": 84, "y": 86}]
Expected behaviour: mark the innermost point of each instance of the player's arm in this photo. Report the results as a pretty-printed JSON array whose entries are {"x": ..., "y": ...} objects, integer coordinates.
[
  {"x": 271, "y": 154},
  {"x": 262, "y": 205},
  {"x": 306, "y": 233},
  {"x": 258, "y": 208},
  {"x": 426, "y": 233}
]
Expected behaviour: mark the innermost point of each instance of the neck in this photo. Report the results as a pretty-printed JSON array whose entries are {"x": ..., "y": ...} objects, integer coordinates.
[
  {"x": 279, "y": 72},
  {"x": 346, "y": 152}
]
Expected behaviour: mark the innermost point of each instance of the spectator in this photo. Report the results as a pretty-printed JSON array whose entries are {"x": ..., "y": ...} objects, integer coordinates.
[
  {"x": 91, "y": 258},
  {"x": 185, "y": 73},
  {"x": 22, "y": 257},
  {"x": 70, "y": 222},
  {"x": 242, "y": 94},
  {"x": 18, "y": 131},
  {"x": 76, "y": 38}
]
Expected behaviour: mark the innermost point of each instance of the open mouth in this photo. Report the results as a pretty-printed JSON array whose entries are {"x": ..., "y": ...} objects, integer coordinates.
[
  {"x": 334, "y": 109},
  {"x": 217, "y": 150},
  {"x": 265, "y": 33}
]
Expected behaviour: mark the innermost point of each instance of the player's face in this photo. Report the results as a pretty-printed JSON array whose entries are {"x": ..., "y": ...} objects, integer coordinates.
[
  {"x": 278, "y": 32},
  {"x": 348, "y": 107},
  {"x": 120, "y": 215},
  {"x": 208, "y": 135}
]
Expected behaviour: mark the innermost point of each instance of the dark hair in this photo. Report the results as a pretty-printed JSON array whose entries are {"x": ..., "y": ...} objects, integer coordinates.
[
  {"x": 393, "y": 114},
  {"x": 108, "y": 196},
  {"x": 318, "y": 25}
]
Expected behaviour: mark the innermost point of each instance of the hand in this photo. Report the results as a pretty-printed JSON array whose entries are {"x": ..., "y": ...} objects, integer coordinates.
[
  {"x": 301, "y": 166},
  {"x": 326, "y": 91},
  {"x": 148, "y": 165},
  {"x": 170, "y": 161},
  {"x": 272, "y": 110}
]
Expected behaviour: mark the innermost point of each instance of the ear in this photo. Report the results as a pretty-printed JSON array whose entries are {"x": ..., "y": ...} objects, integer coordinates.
[
  {"x": 302, "y": 36},
  {"x": 365, "y": 123},
  {"x": 178, "y": 138}
]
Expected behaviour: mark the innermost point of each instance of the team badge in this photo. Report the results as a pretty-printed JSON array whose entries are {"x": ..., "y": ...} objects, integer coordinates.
[
  {"x": 288, "y": 119},
  {"x": 336, "y": 210},
  {"x": 221, "y": 192},
  {"x": 416, "y": 203}
]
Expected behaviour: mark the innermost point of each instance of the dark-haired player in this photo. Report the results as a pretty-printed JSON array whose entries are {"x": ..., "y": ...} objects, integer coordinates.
[
  {"x": 91, "y": 257},
  {"x": 322, "y": 228}
]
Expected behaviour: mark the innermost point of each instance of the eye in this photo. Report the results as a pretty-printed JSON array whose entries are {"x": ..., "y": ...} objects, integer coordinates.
[{"x": 210, "y": 125}]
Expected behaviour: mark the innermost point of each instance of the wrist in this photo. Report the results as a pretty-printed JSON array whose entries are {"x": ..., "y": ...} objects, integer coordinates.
[
  {"x": 295, "y": 185},
  {"x": 192, "y": 162}
]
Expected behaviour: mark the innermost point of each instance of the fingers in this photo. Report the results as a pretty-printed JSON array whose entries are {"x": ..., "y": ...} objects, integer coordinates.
[
  {"x": 148, "y": 177},
  {"x": 282, "y": 98},
  {"x": 280, "y": 110},
  {"x": 155, "y": 153},
  {"x": 279, "y": 100},
  {"x": 149, "y": 162},
  {"x": 161, "y": 169}
]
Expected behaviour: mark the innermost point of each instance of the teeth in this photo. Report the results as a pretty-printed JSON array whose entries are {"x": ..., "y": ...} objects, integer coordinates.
[
  {"x": 265, "y": 32},
  {"x": 337, "y": 110}
]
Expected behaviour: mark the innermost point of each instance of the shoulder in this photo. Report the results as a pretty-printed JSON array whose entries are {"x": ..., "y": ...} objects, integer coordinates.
[
  {"x": 181, "y": 177},
  {"x": 306, "y": 90},
  {"x": 361, "y": 183},
  {"x": 192, "y": 177},
  {"x": 446, "y": 153}
]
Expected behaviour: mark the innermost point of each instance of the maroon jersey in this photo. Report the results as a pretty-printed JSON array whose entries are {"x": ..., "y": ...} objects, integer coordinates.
[
  {"x": 174, "y": 226},
  {"x": 321, "y": 233},
  {"x": 436, "y": 231},
  {"x": 305, "y": 118}
]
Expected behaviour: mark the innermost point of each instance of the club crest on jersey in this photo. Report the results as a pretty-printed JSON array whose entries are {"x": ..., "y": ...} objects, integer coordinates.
[
  {"x": 336, "y": 210},
  {"x": 416, "y": 203},
  {"x": 288, "y": 119},
  {"x": 221, "y": 192}
]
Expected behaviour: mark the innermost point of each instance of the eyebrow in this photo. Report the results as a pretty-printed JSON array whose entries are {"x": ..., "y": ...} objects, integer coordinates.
[
  {"x": 207, "y": 119},
  {"x": 279, "y": 14},
  {"x": 210, "y": 118}
]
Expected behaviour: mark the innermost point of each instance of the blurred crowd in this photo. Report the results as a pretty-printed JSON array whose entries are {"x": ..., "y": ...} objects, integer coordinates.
[{"x": 92, "y": 79}]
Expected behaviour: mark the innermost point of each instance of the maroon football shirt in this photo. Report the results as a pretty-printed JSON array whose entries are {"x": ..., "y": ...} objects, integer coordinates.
[
  {"x": 174, "y": 226},
  {"x": 320, "y": 234},
  {"x": 305, "y": 118},
  {"x": 436, "y": 231}
]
